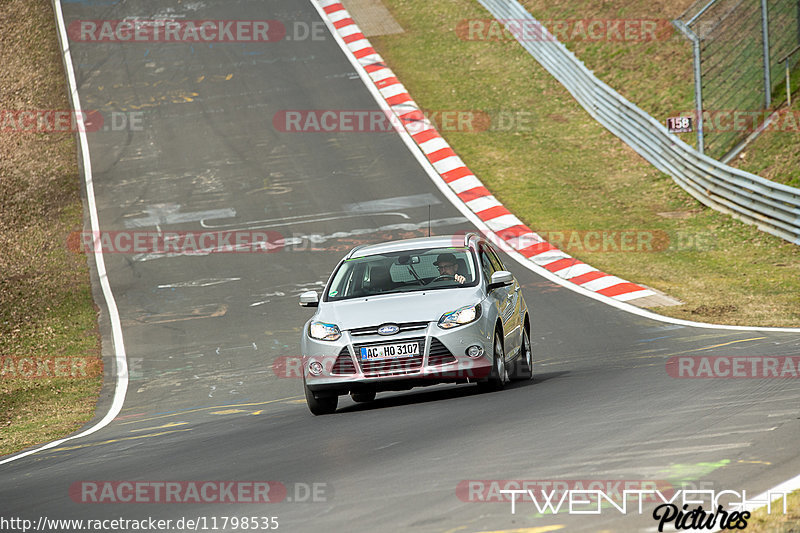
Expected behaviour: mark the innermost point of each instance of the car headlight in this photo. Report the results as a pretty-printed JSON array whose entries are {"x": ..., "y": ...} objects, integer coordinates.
[
  {"x": 324, "y": 332},
  {"x": 461, "y": 316}
]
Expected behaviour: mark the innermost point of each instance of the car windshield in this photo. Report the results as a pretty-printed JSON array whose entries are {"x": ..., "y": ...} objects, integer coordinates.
[{"x": 404, "y": 271}]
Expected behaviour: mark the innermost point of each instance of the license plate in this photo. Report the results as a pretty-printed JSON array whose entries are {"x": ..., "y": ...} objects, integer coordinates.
[{"x": 390, "y": 351}]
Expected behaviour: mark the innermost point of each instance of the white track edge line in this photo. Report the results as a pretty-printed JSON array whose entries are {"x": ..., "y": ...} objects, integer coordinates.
[{"x": 121, "y": 363}]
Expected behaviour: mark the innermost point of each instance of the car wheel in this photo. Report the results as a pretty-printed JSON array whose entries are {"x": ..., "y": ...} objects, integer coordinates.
[
  {"x": 499, "y": 374},
  {"x": 324, "y": 405},
  {"x": 362, "y": 397},
  {"x": 523, "y": 366}
]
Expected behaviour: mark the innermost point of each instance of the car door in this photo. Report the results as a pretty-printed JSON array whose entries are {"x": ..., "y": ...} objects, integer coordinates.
[
  {"x": 514, "y": 332},
  {"x": 498, "y": 297}
]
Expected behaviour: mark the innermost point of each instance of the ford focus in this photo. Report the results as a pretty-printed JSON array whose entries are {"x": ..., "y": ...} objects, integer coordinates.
[{"x": 411, "y": 313}]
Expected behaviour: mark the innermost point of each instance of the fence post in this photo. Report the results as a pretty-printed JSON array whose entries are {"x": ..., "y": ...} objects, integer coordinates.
[
  {"x": 785, "y": 61},
  {"x": 765, "y": 40},
  {"x": 698, "y": 79}
]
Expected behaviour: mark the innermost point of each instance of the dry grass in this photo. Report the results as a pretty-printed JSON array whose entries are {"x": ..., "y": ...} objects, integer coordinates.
[
  {"x": 654, "y": 74},
  {"x": 46, "y": 307},
  {"x": 777, "y": 522},
  {"x": 775, "y": 154}
]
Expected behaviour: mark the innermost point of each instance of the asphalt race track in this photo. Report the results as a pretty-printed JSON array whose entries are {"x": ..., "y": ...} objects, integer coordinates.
[{"x": 203, "y": 333}]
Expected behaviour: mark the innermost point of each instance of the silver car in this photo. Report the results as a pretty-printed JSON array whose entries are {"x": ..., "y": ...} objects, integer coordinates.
[{"x": 414, "y": 312}]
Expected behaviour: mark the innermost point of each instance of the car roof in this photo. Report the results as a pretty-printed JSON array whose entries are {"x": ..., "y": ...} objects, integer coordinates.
[{"x": 438, "y": 241}]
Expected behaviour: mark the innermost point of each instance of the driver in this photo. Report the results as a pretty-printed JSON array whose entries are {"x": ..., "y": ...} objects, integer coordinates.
[{"x": 447, "y": 267}]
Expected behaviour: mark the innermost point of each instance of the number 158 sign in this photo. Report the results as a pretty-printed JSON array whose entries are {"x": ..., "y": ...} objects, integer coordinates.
[{"x": 679, "y": 124}]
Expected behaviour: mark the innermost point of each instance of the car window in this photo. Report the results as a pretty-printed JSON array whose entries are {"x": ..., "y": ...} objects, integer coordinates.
[
  {"x": 495, "y": 258},
  {"x": 487, "y": 266},
  {"x": 403, "y": 271}
]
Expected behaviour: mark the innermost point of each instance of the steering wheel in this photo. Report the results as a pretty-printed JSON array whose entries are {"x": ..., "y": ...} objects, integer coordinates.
[{"x": 443, "y": 277}]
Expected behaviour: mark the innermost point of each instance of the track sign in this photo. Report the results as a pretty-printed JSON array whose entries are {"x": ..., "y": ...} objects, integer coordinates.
[{"x": 679, "y": 124}]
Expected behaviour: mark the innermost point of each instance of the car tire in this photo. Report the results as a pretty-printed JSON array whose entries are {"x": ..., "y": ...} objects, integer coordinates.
[
  {"x": 324, "y": 405},
  {"x": 362, "y": 397},
  {"x": 523, "y": 366},
  {"x": 499, "y": 374}
]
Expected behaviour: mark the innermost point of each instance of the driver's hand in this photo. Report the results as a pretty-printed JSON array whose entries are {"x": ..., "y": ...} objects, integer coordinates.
[{"x": 459, "y": 278}]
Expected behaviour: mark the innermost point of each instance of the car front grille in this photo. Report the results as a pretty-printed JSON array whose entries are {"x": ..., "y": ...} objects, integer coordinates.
[
  {"x": 404, "y": 328},
  {"x": 344, "y": 363},
  {"x": 439, "y": 354},
  {"x": 406, "y": 365}
]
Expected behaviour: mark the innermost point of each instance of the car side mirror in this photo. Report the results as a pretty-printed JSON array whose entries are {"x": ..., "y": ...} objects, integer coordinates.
[
  {"x": 501, "y": 278},
  {"x": 309, "y": 299}
]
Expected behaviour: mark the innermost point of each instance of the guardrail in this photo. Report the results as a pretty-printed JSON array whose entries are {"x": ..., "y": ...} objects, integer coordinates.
[{"x": 772, "y": 207}]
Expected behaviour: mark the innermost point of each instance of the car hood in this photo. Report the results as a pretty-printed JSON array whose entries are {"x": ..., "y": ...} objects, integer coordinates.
[{"x": 404, "y": 307}]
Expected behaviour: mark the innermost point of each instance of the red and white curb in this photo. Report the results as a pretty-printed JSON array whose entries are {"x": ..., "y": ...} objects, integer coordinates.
[{"x": 469, "y": 189}]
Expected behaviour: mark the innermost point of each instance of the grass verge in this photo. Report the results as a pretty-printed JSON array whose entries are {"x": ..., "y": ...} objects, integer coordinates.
[
  {"x": 775, "y": 154},
  {"x": 46, "y": 307},
  {"x": 558, "y": 170},
  {"x": 777, "y": 522},
  {"x": 657, "y": 75}
]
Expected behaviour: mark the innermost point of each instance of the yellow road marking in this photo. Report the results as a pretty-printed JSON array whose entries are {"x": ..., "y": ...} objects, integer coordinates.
[
  {"x": 697, "y": 349},
  {"x": 181, "y": 413},
  {"x": 111, "y": 441},
  {"x": 228, "y": 412},
  {"x": 169, "y": 425},
  {"x": 727, "y": 343}
]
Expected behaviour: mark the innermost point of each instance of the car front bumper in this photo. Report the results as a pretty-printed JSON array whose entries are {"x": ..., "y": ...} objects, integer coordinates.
[{"x": 443, "y": 359}]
